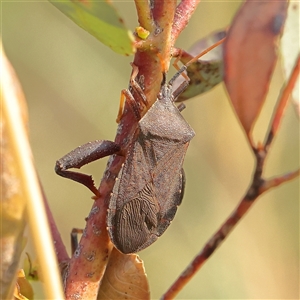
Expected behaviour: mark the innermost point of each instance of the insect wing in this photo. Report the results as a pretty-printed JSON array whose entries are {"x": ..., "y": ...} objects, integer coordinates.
[
  {"x": 133, "y": 209},
  {"x": 169, "y": 135}
]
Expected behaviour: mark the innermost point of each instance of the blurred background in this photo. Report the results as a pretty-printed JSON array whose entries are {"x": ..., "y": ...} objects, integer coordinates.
[{"x": 72, "y": 84}]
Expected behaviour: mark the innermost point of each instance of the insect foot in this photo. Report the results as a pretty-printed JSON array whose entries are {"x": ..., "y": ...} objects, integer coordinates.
[{"x": 150, "y": 184}]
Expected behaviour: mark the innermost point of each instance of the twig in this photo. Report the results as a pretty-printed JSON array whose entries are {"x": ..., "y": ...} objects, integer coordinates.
[
  {"x": 60, "y": 249},
  {"x": 184, "y": 11},
  {"x": 273, "y": 182},
  {"x": 148, "y": 62},
  {"x": 144, "y": 14},
  {"x": 282, "y": 102},
  {"x": 257, "y": 188}
]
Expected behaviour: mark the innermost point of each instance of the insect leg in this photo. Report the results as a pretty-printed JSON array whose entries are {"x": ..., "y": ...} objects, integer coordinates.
[
  {"x": 181, "y": 107},
  {"x": 121, "y": 106},
  {"x": 126, "y": 94},
  {"x": 192, "y": 60},
  {"x": 180, "y": 89},
  {"x": 180, "y": 71},
  {"x": 83, "y": 155},
  {"x": 176, "y": 66},
  {"x": 183, "y": 85},
  {"x": 135, "y": 85}
]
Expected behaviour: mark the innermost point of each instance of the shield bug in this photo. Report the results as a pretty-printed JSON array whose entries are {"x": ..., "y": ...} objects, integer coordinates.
[{"x": 150, "y": 184}]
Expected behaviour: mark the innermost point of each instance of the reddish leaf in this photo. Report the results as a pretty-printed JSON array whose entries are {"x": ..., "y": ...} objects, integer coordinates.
[
  {"x": 23, "y": 289},
  {"x": 250, "y": 53}
]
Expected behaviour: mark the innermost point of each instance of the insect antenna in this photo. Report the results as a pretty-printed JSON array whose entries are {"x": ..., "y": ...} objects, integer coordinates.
[
  {"x": 136, "y": 86},
  {"x": 180, "y": 71},
  {"x": 205, "y": 51}
]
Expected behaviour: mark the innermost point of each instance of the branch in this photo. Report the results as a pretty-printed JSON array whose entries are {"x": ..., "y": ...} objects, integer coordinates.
[
  {"x": 282, "y": 102},
  {"x": 216, "y": 240},
  {"x": 183, "y": 13},
  {"x": 144, "y": 14},
  {"x": 60, "y": 249},
  {"x": 150, "y": 62},
  {"x": 276, "y": 181}
]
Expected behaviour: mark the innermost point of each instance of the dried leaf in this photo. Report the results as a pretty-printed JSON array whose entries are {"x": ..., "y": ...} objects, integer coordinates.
[
  {"x": 23, "y": 288},
  {"x": 290, "y": 47},
  {"x": 101, "y": 20},
  {"x": 125, "y": 278},
  {"x": 250, "y": 53}
]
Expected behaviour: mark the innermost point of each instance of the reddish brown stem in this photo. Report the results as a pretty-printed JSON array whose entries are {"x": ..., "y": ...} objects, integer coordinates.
[
  {"x": 169, "y": 21},
  {"x": 164, "y": 12},
  {"x": 276, "y": 181},
  {"x": 60, "y": 249},
  {"x": 257, "y": 188},
  {"x": 184, "y": 11},
  {"x": 150, "y": 62},
  {"x": 282, "y": 102}
]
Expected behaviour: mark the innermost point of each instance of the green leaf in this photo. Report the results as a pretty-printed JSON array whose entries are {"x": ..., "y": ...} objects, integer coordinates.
[{"x": 101, "y": 20}]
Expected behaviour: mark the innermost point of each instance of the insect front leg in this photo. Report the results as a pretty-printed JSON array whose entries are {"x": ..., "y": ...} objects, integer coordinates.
[
  {"x": 83, "y": 155},
  {"x": 126, "y": 94}
]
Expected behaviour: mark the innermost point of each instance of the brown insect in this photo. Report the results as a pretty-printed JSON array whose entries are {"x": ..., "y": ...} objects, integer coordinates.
[{"x": 150, "y": 184}]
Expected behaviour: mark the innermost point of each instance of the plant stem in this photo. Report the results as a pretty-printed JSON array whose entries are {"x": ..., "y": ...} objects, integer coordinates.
[
  {"x": 184, "y": 11},
  {"x": 144, "y": 14},
  {"x": 282, "y": 102},
  {"x": 257, "y": 188}
]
